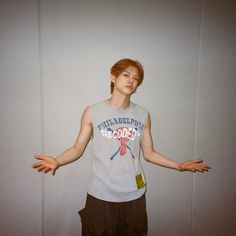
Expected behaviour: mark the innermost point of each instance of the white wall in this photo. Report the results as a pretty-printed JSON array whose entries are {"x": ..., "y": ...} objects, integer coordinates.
[
  {"x": 216, "y": 116},
  {"x": 55, "y": 60},
  {"x": 20, "y": 119}
]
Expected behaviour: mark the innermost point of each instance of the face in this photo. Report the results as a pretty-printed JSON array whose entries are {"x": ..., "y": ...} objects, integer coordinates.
[{"x": 127, "y": 81}]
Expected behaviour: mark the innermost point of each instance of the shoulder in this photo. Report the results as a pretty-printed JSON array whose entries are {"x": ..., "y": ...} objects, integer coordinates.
[
  {"x": 96, "y": 105},
  {"x": 96, "y": 110},
  {"x": 140, "y": 108},
  {"x": 86, "y": 114}
]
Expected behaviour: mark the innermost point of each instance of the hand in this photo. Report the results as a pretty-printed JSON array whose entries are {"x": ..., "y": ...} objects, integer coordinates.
[
  {"x": 193, "y": 165},
  {"x": 46, "y": 164}
]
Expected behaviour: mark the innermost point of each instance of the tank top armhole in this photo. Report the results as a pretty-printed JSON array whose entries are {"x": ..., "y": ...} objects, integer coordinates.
[
  {"x": 145, "y": 115},
  {"x": 92, "y": 107}
]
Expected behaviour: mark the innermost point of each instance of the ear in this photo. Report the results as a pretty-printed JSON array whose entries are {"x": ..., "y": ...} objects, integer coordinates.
[{"x": 112, "y": 78}]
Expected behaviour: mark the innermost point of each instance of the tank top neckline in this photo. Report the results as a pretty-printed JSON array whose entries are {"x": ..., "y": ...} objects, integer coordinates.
[{"x": 120, "y": 110}]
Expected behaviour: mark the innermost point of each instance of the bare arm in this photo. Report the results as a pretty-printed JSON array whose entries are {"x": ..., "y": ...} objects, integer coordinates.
[
  {"x": 151, "y": 155},
  {"x": 77, "y": 150},
  {"x": 73, "y": 153}
]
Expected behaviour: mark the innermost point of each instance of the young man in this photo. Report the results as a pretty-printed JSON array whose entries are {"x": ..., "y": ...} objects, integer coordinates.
[{"x": 117, "y": 128}]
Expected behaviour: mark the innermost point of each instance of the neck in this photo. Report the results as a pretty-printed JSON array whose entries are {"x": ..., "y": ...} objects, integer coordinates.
[{"x": 119, "y": 101}]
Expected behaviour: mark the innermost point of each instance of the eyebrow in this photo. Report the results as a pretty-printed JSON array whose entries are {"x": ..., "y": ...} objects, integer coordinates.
[{"x": 129, "y": 73}]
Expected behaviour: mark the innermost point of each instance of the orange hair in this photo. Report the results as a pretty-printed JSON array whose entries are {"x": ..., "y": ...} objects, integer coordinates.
[{"x": 121, "y": 65}]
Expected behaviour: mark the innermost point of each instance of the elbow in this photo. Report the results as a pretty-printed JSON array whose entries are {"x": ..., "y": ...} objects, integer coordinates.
[
  {"x": 148, "y": 155},
  {"x": 147, "y": 159}
]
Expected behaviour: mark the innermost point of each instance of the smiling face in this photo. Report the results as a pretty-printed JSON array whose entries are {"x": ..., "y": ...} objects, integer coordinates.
[{"x": 127, "y": 82}]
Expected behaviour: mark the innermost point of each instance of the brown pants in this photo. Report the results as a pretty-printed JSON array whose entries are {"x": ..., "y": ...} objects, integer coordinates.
[{"x": 102, "y": 218}]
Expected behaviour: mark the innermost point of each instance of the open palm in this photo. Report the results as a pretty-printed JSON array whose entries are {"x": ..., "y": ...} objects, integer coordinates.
[
  {"x": 46, "y": 164},
  {"x": 194, "y": 165}
]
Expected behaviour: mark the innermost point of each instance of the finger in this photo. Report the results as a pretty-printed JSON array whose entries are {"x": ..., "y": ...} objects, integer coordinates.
[
  {"x": 47, "y": 170},
  {"x": 36, "y": 165},
  {"x": 198, "y": 161},
  {"x": 53, "y": 171},
  {"x": 198, "y": 167},
  {"x": 201, "y": 168},
  {"x": 208, "y": 167},
  {"x": 38, "y": 157},
  {"x": 41, "y": 168},
  {"x": 204, "y": 167}
]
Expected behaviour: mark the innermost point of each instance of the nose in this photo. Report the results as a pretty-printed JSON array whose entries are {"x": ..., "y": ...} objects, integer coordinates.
[{"x": 130, "y": 79}]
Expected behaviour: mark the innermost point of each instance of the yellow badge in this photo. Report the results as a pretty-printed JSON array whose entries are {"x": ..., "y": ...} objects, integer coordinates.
[{"x": 139, "y": 181}]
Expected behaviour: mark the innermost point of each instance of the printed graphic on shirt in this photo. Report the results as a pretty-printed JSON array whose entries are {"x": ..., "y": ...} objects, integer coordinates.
[
  {"x": 120, "y": 121},
  {"x": 122, "y": 134}
]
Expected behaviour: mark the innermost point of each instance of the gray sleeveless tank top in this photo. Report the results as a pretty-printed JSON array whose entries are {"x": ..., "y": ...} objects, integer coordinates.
[{"x": 117, "y": 172}]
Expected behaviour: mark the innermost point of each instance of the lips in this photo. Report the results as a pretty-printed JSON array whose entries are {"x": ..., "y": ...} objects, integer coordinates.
[{"x": 130, "y": 87}]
